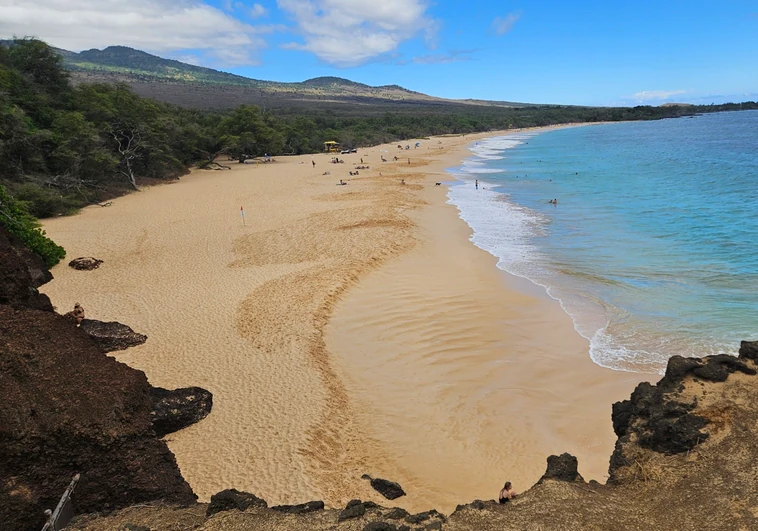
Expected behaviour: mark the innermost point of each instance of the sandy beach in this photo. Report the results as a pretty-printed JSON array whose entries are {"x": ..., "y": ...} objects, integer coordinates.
[{"x": 342, "y": 330}]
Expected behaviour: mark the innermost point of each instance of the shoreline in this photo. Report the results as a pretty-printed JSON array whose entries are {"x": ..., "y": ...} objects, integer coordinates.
[
  {"x": 491, "y": 308},
  {"x": 249, "y": 313}
]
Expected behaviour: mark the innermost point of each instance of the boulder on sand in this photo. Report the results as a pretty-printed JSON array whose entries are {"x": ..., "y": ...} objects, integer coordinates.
[
  {"x": 112, "y": 336},
  {"x": 388, "y": 489},
  {"x": 176, "y": 409},
  {"x": 85, "y": 263}
]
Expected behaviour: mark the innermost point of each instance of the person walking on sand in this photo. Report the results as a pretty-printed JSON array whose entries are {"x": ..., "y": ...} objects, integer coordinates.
[
  {"x": 313, "y": 162},
  {"x": 507, "y": 493},
  {"x": 476, "y": 184}
]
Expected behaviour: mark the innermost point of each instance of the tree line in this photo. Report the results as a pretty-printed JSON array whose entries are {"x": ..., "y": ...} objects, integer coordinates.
[{"x": 63, "y": 146}]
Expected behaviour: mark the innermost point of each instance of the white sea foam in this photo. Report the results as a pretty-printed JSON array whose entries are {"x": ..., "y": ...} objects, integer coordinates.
[
  {"x": 507, "y": 231},
  {"x": 500, "y": 227}
]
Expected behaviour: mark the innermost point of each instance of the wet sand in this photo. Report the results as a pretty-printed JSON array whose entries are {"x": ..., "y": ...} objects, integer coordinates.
[{"x": 342, "y": 330}]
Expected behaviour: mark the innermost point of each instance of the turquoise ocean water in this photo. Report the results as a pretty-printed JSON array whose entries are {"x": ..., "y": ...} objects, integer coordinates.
[{"x": 651, "y": 248}]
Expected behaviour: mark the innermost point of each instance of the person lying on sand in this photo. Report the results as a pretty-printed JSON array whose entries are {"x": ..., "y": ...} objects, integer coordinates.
[
  {"x": 341, "y": 183},
  {"x": 507, "y": 494}
]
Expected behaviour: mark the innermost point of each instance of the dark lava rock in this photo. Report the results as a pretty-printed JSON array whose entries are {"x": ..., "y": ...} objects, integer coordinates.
[
  {"x": 67, "y": 408},
  {"x": 371, "y": 505},
  {"x": 21, "y": 273},
  {"x": 231, "y": 499},
  {"x": 476, "y": 504},
  {"x": 749, "y": 350},
  {"x": 656, "y": 414},
  {"x": 135, "y": 527},
  {"x": 422, "y": 517},
  {"x": 352, "y": 510},
  {"x": 434, "y": 526},
  {"x": 711, "y": 368},
  {"x": 177, "y": 409},
  {"x": 301, "y": 508},
  {"x": 379, "y": 526},
  {"x": 85, "y": 263},
  {"x": 660, "y": 421},
  {"x": 112, "y": 336},
  {"x": 562, "y": 468},
  {"x": 388, "y": 489},
  {"x": 397, "y": 513}
]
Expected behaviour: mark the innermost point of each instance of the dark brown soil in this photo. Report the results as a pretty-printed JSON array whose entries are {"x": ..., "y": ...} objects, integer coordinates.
[{"x": 67, "y": 408}]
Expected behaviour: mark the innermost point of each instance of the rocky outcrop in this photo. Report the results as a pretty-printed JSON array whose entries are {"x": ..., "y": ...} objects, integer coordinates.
[
  {"x": 21, "y": 273},
  {"x": 749, "y": 351},
  {"x": 85, "y": 263},
  {"x": 388, "y": 489},
  {"x": 233, "y": 499},
  {"x": 176, "y": 409},
  {"x": 426, "y": 516},
  {"x": 564, "y": 467},
  {"x": 111, "y": 336},
  {"x": 659, "y": 418},
  {"x": 353, "y": 509},
  {"x": 67, "y": 408},
  {"x": 301, "y": 508}
]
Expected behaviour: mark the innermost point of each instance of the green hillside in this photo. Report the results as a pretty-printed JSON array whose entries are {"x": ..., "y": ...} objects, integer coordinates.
[{"x": 124, "y": 60}]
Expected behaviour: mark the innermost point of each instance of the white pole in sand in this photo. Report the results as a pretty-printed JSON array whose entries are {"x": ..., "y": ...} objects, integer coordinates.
[{"x": 242, "y": 213}]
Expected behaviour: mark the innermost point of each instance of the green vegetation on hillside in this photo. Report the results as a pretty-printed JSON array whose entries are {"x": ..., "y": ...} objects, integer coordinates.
[
  {"x": 63, "y": 146},
  {"x": 25, "y": 227}
]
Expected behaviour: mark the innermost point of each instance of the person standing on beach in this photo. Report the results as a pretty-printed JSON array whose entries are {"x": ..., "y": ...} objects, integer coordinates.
[
  {"x": 476, "y": 184},
  {"x": 313, "y": 162}
]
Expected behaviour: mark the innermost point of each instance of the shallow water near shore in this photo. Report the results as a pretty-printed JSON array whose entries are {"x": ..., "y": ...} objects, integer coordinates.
[{"x": 650, "y": 246}]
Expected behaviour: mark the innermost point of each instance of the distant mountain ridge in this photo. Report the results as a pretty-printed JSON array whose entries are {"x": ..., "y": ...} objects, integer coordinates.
[
  {"x": 125, "y": 61},
  {"x": 197, "y": 86}
]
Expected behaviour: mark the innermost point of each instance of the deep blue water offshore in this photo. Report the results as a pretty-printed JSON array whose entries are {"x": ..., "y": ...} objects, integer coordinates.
[{"x": 651, "y": 248}]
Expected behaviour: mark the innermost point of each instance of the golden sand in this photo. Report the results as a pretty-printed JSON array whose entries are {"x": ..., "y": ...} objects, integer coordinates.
[{"x": 342, "y": 330}]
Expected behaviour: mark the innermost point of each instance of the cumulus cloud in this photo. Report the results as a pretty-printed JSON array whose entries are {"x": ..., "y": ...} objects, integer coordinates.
[
  {"x": 503, "y": 25},
  {"x": 158, "y": 26},
  {"x": 258, "y": 11},
  {"x": 656, "y": 95},
  {"x": 351, "y": 32}
]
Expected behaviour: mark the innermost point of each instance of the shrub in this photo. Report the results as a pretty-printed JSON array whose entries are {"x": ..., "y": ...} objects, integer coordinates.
[
  {"x": 24, "y": 226},
  {"x": 44, "y": 203}
]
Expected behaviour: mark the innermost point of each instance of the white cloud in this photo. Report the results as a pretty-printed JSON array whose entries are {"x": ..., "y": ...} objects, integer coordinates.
[
  {"x": 503, "y": 25},
  {"x": 656, "y": 95},
  {"x": 351, "y": 32},
  {"x": 258, "y": 11},
  {"x": 157, "y": 26}
]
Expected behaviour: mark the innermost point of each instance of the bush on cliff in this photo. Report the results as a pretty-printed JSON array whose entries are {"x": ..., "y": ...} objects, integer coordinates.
[{"x": 24, "y": 226}]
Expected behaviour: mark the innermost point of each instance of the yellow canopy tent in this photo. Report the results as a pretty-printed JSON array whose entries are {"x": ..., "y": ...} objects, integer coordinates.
[{"x": 331, "y": 147}]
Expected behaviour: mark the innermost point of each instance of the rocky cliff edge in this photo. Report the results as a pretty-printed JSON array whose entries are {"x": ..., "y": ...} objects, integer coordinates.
[{"x": 67, "y": 408}]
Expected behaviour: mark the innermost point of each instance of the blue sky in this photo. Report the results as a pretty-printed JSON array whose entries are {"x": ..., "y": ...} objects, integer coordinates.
[{"x": 550, "y": 51}]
